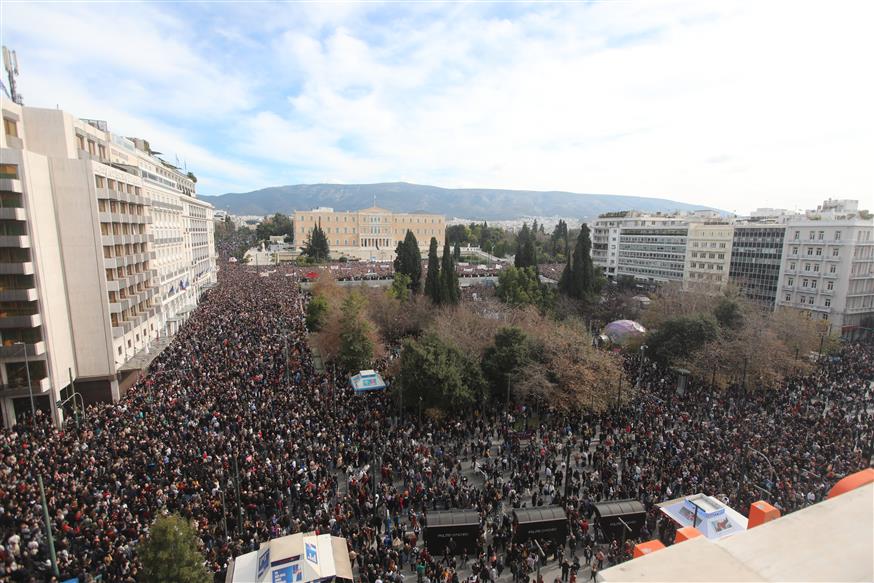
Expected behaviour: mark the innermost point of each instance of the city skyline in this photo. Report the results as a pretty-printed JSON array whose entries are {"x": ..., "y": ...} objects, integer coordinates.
[{"x": 730, "y": 105}]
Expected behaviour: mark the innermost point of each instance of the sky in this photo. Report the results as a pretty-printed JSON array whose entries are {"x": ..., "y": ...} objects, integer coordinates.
[{"x": 735, "y": 105}]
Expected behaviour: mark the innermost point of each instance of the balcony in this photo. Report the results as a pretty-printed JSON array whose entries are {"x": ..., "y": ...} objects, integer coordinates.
[
  {"x": 16, "y": 351},
  {"x": 16, "y": 268},
  {"x": 16, "y": 321},
  {"x": 18, "y": 295},
  {"x": 18, "y": 241},
  {"x": 13, "y": 214},
  {"x": 38, "y": 386},
  {"x": 11, "y": 185}
]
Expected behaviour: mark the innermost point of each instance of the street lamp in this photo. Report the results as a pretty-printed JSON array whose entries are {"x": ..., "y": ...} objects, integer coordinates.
[{"x": 29, "y": 385}]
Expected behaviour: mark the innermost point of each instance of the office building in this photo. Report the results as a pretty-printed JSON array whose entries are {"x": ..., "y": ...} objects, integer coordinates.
[
  {"x": 104, "y": 248},
  {"x": 708, "y": 256},
  {"x": 650, "y": 248},
  {"x": 756, "y": 257},
  {"x": 372, "y": 233},
  {"x": 828, "y": 268}
]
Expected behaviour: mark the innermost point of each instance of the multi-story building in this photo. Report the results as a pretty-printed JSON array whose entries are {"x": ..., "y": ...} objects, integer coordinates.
[
  {"x": 756, "y": 255},
  {"x": 708, "y": 256},
  {"x": 371, "y": 233},
  {"x": 82, "y": 256},
  {"x": 828, "y": 268},
  {"x": 650, "y": 248},
  {"x": 653, "y": 251}
]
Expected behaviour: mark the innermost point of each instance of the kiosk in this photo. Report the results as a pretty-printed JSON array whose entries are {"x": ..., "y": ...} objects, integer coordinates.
[
  {"x": 541, "y": 523},
  {"x": 460, "y": 526}
]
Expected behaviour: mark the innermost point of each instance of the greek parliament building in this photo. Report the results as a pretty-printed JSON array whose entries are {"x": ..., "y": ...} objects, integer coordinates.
[
  {"x": 104, "y": 249},
  {"x": 372, "y": 233}
]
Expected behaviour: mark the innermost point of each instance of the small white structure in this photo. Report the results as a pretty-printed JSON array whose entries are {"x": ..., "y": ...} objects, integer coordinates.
[{"x": 296, "y": 558}]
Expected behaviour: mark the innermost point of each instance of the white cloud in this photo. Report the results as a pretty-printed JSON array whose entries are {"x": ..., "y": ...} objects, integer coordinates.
[{"x": 731, "y": 104}]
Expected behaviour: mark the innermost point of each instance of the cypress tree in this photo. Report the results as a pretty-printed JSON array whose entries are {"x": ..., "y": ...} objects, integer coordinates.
[
  {"x": 408, "y": 261},
  {"x": 432, "y": 278},
  {"x": 456, "y": 252},
  {"x": 449, "y": 292}
]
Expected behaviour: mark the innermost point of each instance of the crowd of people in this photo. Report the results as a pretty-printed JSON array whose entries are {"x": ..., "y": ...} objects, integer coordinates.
[{"x": 234, "y": 429}]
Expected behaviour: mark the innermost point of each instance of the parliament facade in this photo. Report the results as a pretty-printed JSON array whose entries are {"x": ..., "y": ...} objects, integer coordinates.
[{"x": 371, "y": 233}]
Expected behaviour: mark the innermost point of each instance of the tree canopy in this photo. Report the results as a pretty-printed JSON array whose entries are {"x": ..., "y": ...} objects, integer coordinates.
[
  {"x": 316, "y": 246},
  {"x": 439, "y": 374},
  {"x": 526, "y": 252},
  {"x": 432, "y": 278},
  {"x": 521, "y": 286},
  {"x": 278, "y": 224},
  {"x": 170, "y": 553},
  {"x": 408, "y": 260},
  {"x": 578, "y": 278},
  {"x": 356, "y": 346},
  {"x": 450, "y": 293}
]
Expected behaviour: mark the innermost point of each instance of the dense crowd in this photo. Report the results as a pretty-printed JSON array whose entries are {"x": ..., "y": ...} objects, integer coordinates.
[{"x": 222, "y": 401}]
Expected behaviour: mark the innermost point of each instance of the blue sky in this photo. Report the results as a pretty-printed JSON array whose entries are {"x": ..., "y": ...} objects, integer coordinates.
[{"x": 729, "y": 104}]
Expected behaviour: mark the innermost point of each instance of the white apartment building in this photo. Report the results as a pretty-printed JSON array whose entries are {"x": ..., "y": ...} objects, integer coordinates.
[
  {"x": 86, "y": 270},
  {"x": 828, "y": 267},
  {"x": 708, "y": 256}
]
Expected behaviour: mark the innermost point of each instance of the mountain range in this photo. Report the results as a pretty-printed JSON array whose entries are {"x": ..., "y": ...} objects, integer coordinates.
[{"x": 467, "y": 203}]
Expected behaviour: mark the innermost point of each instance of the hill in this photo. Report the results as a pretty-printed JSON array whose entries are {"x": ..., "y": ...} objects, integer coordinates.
[{"x": 468, "y": 203}]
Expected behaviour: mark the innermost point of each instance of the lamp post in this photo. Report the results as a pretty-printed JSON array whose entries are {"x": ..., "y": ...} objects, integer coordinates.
[
  {"x": 48, "y": 521},
  {"x": 29, "y": 385}
]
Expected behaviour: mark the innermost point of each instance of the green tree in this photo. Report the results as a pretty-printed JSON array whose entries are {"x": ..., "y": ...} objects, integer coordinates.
[
  {"x": 316, "y": 247},
  {"x": 400, "y": 287},
  {"x": 525, "y": 254},
  {"x": 510, "y": 353},
  {"x": 432, "y": 278},
  {"x": 728, "y": 314},
  {"x": 438, "y": 373},
  {"x": 356, "y": 345},
  {"x": 457, "y": 234},
  {"x": 578, "y": 278},
  {"x": 278, "y": 224},
  {"x": 677, "y": 338},
  {"x": 520, "y": 287},
  {"x": 170, "y": 553},
  {"x": 449, "y": 291},
  {"x": 456, "y": 252},
  {"x": 317, "y": 313},
  {"x": 408, "y": 260}
]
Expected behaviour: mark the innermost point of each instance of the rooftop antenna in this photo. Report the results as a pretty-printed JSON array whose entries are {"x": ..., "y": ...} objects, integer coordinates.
[{"x": 10, "y": 63}]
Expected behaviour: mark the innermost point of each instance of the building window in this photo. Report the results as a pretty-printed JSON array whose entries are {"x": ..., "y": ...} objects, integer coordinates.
[
  {"x": 790, "y": 281},
  {"x": 830, "y": 285},
  {"x": 832, "y": 268},
  {"x": 807, "y": 267},
  {"x": 788, "y": 298},
  {"x": 805, "y": 282},
  {"x": 10, "y": 127},
  {"x": 818, "y": 251},
  {"x": 835, "y": 252},
  {"x": 9, "y": 171},
  {"x": 80, "y": 140},
  {"x": 828, "y": 302},
  {"x": 99, "y": 181},
  {"x": 792, "y": 266},
  {"x": 812, "y": 235},
  {"x": 816, "y": 268},
  {"x": 810, "y": 250},
  {"x": 813, "y": 284},
  {"x": 797, "y": 235},
  {"x": 821, "y": 235},
  {"x": 837, "y": 235}
]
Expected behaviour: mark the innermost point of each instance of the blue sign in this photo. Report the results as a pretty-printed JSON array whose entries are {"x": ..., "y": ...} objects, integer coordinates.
[
  {"x": 263, "y": 561},
  {"x": 312, "y": 554},
  {"x": 290, "y": 574}
]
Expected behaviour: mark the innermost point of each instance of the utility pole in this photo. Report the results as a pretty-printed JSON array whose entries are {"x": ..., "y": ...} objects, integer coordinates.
[
  {"x": 29, "y": 384},
  {"x": 239, "y": 496},
  {"x": 48, "y": 521}
]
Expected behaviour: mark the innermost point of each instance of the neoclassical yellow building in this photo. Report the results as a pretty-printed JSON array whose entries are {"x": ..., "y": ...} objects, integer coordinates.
[{"x": 371, "y": 233}]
